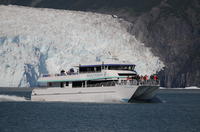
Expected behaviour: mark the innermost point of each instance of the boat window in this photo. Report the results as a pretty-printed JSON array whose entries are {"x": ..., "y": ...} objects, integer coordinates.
[
  {"x": 78, "y": 84},
  {"x": 62, "y": 84},
  {"x": 90, "y": 69},
  {"x": 50, "y": 84},
  {"x": 126, "y": 74},
  {"x": 130, "y": 68}
]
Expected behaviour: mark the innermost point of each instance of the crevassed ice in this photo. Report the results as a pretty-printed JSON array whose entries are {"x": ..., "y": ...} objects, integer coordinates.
[{"x": 37, "y": 41}]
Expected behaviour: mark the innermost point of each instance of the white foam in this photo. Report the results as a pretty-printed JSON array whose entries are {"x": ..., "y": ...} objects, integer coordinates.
[
  {"x": 192, "y": 87},
  {"x": 11, "y": 98}
]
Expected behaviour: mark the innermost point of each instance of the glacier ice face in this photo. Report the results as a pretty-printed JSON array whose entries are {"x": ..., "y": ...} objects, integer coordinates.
[{"x": 38, "y": 41}]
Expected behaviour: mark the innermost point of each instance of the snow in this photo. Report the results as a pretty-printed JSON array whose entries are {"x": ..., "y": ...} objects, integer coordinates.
[
  {"x": 36, "y": 41},
  {"x": 191, "y": 87}
]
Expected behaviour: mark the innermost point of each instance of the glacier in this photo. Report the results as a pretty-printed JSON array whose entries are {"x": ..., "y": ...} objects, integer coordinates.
[{"x": 35, "y": 41}]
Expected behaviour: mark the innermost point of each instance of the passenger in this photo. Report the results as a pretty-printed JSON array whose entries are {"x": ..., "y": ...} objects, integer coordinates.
[
  {"x": 145, "y": 78},
  {"x": 62, "y": 73},
  {"x": 156, "y": 78},
  {"x": 72, "y": 70},
  {"x": 138, "y": 79},
  {"x": 141, "y": 79},
  {"x": 152, "y": 77}
]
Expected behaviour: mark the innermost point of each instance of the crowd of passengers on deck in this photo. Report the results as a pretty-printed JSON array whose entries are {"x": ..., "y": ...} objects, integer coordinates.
[{"x": 152, "y": 79}]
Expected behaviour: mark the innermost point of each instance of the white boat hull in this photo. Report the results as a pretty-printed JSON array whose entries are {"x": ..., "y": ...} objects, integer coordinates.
[{"x": 90, "y": 94}]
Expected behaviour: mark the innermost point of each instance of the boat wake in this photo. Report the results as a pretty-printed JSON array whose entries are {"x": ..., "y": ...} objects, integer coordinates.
[{"x": 11, "y": 98}]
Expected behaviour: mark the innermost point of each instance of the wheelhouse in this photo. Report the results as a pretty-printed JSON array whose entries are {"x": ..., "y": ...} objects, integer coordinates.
[{"x": 100, "y": 67}]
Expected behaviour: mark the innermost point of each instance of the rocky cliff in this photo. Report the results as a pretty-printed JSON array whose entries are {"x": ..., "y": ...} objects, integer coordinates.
[{"x": 171, "y": 28}]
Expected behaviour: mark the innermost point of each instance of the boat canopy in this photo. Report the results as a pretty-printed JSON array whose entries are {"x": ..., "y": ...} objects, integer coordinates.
[{"x": 97, "y": 65}]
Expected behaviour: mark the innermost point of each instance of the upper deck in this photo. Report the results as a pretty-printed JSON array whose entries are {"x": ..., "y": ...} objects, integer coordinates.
[
  {"x": 92, "y": 72},
  {"x": 89, "y": 75}
]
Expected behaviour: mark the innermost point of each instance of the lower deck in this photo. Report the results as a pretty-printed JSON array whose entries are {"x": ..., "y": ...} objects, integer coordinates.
[{"x": 89, "y": 94}]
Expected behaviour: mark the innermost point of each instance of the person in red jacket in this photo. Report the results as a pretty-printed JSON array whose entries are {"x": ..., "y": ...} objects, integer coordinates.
[
  {"x": 145, "y": 77},
  {"x": 155, "y": 77}
]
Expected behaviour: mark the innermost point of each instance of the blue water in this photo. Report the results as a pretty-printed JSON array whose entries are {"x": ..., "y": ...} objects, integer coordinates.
[{"x": 172, "y": 111}]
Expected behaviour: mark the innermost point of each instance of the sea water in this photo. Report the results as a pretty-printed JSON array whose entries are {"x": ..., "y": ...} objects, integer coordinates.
[{"x": 170, "y": 111}]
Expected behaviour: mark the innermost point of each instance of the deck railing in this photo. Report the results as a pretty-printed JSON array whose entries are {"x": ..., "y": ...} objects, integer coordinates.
[
  {"x": 68, "y": 74},
  {"x": 55, "y": 75},
  {"x": 130, "y": 82}
]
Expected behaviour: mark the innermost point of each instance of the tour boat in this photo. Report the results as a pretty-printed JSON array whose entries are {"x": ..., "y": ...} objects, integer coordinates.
[{"x": 95, "y": 83}]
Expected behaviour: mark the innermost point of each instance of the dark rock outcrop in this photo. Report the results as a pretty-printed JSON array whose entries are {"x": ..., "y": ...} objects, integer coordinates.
[
  {"x": 170, "y": 27},
  {"x": 173, "y": 33}
]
